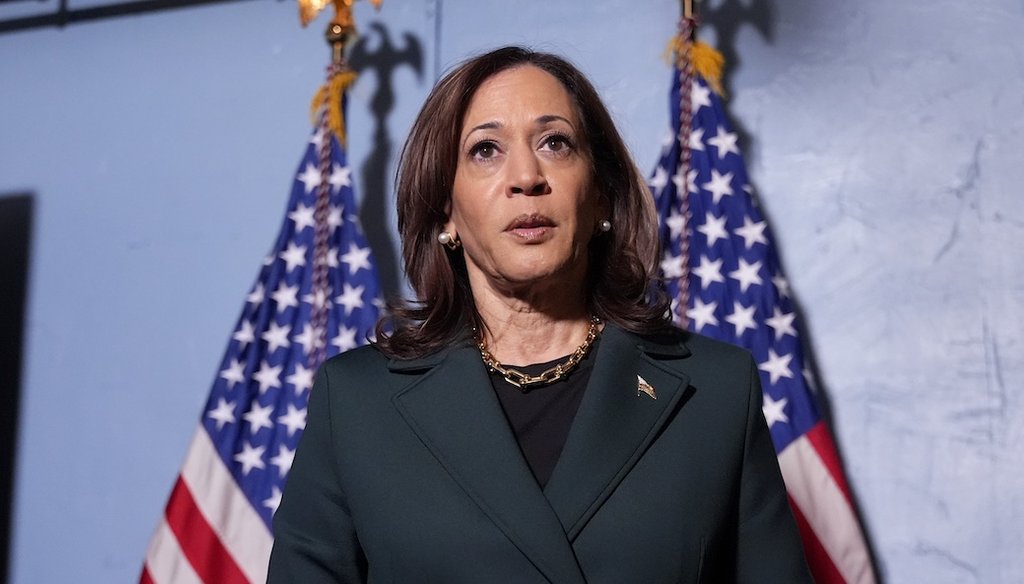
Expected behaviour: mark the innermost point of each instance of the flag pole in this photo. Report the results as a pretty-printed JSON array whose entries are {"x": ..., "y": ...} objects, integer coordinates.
[
  {"x": 329, "y": 109},
  {"x": 684, "y": 64}
]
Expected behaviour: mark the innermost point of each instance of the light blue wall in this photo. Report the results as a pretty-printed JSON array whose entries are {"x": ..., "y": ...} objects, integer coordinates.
[{"x": 886, "y": 140}]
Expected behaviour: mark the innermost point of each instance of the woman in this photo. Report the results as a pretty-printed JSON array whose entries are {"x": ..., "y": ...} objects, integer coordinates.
[{"x": 533, "y": 417}]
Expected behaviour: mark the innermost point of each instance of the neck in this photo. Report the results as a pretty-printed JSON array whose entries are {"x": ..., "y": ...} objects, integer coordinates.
[{"x": 534, "y": 324}]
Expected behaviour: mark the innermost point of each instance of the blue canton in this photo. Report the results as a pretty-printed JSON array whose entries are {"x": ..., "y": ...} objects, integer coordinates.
[{"x": 737, "y": 291}]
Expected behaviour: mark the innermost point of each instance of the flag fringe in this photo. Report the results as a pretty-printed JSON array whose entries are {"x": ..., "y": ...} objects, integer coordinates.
[
  {"x": 706, "y": 61},
  {"x": 333, "y": 92}
]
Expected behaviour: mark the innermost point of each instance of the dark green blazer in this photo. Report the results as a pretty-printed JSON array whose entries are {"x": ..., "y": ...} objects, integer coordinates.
[{"x": 408, "y": 472}]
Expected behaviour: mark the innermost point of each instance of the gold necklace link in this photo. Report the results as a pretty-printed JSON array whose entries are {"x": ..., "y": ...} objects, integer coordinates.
[{"x": 522, "y": 380}]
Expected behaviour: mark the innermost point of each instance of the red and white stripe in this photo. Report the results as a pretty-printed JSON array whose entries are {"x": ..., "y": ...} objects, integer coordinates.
[
  {"x": 820, "y": 498},
  {"x": 210, "y": 533}
]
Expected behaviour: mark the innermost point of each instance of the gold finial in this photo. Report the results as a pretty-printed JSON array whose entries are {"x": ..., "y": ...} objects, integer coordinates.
[
  {"x": 687, "y": 8},
  {"x": 342, "y": 26},
  {"x": 309, "y": 9}
]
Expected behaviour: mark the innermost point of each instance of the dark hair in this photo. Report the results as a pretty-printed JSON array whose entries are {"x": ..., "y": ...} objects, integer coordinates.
[{"x": 622, "y": 262}]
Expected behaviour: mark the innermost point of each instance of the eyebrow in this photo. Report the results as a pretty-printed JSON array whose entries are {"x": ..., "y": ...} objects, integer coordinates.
[
  {"x": 541, "y": 121},
  {"x": 547, "y": 119}
]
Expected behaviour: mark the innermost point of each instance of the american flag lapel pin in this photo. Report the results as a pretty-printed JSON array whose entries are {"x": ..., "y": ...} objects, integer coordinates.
[{"x": 643, "y": 387}]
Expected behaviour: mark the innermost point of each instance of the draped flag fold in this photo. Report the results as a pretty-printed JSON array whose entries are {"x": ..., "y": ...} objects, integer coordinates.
[
  {"x": 721, "y": 268},
  {"x": 317, "y": 295}
]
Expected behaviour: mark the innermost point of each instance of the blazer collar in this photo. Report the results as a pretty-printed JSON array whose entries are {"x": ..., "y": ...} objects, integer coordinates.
[
  {"x": 456, "y": 415},
  {"x": 616, "y": 421},
  {"x": 451, "y": 407}
]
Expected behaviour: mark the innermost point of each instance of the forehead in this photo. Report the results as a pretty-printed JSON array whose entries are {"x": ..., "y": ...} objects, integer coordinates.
[{"x": 524, "y": 91}]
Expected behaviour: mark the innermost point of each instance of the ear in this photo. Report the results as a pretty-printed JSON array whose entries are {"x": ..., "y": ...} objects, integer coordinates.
[{"x": 449, "y": 224}]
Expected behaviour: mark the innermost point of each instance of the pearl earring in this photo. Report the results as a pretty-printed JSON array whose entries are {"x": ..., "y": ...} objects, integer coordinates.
[
  {"x": 605, "y": 226},
  {"x": 446, "y": 239}
]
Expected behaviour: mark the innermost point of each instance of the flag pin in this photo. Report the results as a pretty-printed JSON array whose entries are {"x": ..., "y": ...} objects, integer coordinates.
[{"x": 643, "y": 387}]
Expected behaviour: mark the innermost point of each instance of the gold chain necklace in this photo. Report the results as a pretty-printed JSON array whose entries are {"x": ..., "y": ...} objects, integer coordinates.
[{"x": 522, "y": 380}]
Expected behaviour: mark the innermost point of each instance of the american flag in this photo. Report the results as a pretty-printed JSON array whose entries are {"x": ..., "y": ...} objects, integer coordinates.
[
  {"x": 722, "y": 271},
  {"x": 217, "y": 524}
]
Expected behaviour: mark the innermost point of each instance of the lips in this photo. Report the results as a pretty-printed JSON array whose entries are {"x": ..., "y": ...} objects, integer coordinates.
[
  {"x": 533, "y": 221},
  {"x": 532, "y": 228}
]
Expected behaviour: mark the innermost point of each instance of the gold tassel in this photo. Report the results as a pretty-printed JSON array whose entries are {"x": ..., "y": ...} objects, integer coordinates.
[
  {"x": 706, "y": 61},
  {"x": 333, "y": 93}
]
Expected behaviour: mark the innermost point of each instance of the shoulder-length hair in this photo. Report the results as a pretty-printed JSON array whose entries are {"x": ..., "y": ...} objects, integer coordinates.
[{"x": 622, "y": 263}]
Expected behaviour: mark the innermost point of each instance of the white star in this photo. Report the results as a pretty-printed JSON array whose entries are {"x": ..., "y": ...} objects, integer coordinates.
[
  {"x": 251, "y": 457},
  {"x": 244, "y": 335},
  {"x": 334, "y": 217},
  {"x": 351, "y": 298},
  {"x": 724, "y": 142},
  {"x": 268, "y": 376},
  {"x": 256, "y": 296},
  {"x": 672, "y": 266},
  {"x": 317, "y": 139},
  {"x": 659, "y": 180},
  {"x": 774, "y": 411},
  {"x": 303, "y": 217},
  {"x": 318, "y": 299},
  {"x": 286, "y": 296},
  {"x": 340, "y": 177},
  {"x": 332, "y": 258},
  {"x": 697, "y": 139},
  {"x": 676, "y": 223},
  {"x": 224, "y": 413},
  {"x": 277, "y": 336},
  {"x": 702, "y": 314},
  {"x": 691, "y": 181},
  {"x": 259, "y": 417},
  {"x": 781, "y": 284},
  {"x": 310, "y": 177},
  {"x": 294, "y": 256},
  {"x": 234, "y": 373},
  {"x": 302, "y": 379},
  {"x": 812, "y": 383},
  {"x": 274, "y": 501},
  {"x": 709, "y": 271},
  {"x": 776, "y": 367},
  {"x": 294, "y": 420},
  {"x": 742, "y": 318},
  {"x": 308, "y": 338},
  {"x": 700, "y": 96},
  {"x": 752, "y": 232},
  {"x": 719, "y": 186},
  {"x": 746, "y": 274},
  {"x": 346, "y": 339},
  {"x": 714, "y": 228},
  {"x": 357, "y": 258},
  {"x": 283, "y": 461},
  {"x": 782, "y": 323},
  {"x": 679, "y": 179}
]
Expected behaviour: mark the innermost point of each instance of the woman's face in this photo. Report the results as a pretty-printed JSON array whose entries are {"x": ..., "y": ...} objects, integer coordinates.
[{"x": 522, "y": 201}]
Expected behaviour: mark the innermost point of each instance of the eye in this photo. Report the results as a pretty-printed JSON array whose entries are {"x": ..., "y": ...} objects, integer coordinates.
[
  {"x": 558, "y": 143},
  {"x": 484, "y": 150}
]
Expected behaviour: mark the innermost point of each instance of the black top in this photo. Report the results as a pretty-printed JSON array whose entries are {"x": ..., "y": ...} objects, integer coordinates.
[{"x": 541, "y": 417}]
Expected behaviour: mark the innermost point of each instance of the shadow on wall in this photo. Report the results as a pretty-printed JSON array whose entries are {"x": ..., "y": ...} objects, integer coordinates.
[
  {"x": 375, "y": 51},
  {"x": 15, "y": 233},
  {"x": 727, "y": 18}
]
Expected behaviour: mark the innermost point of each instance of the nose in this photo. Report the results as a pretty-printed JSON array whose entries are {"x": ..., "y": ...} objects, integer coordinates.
[{"x": 525, "y": 175}]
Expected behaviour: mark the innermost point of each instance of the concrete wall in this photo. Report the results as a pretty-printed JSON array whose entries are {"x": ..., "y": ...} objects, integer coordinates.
[{"x": 885, "y": 138}]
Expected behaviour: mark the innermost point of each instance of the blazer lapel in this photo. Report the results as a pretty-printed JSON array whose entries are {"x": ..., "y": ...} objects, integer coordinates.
[
  {"x": 455, "y": 413},
  {"x": 616, "y": 421}
]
